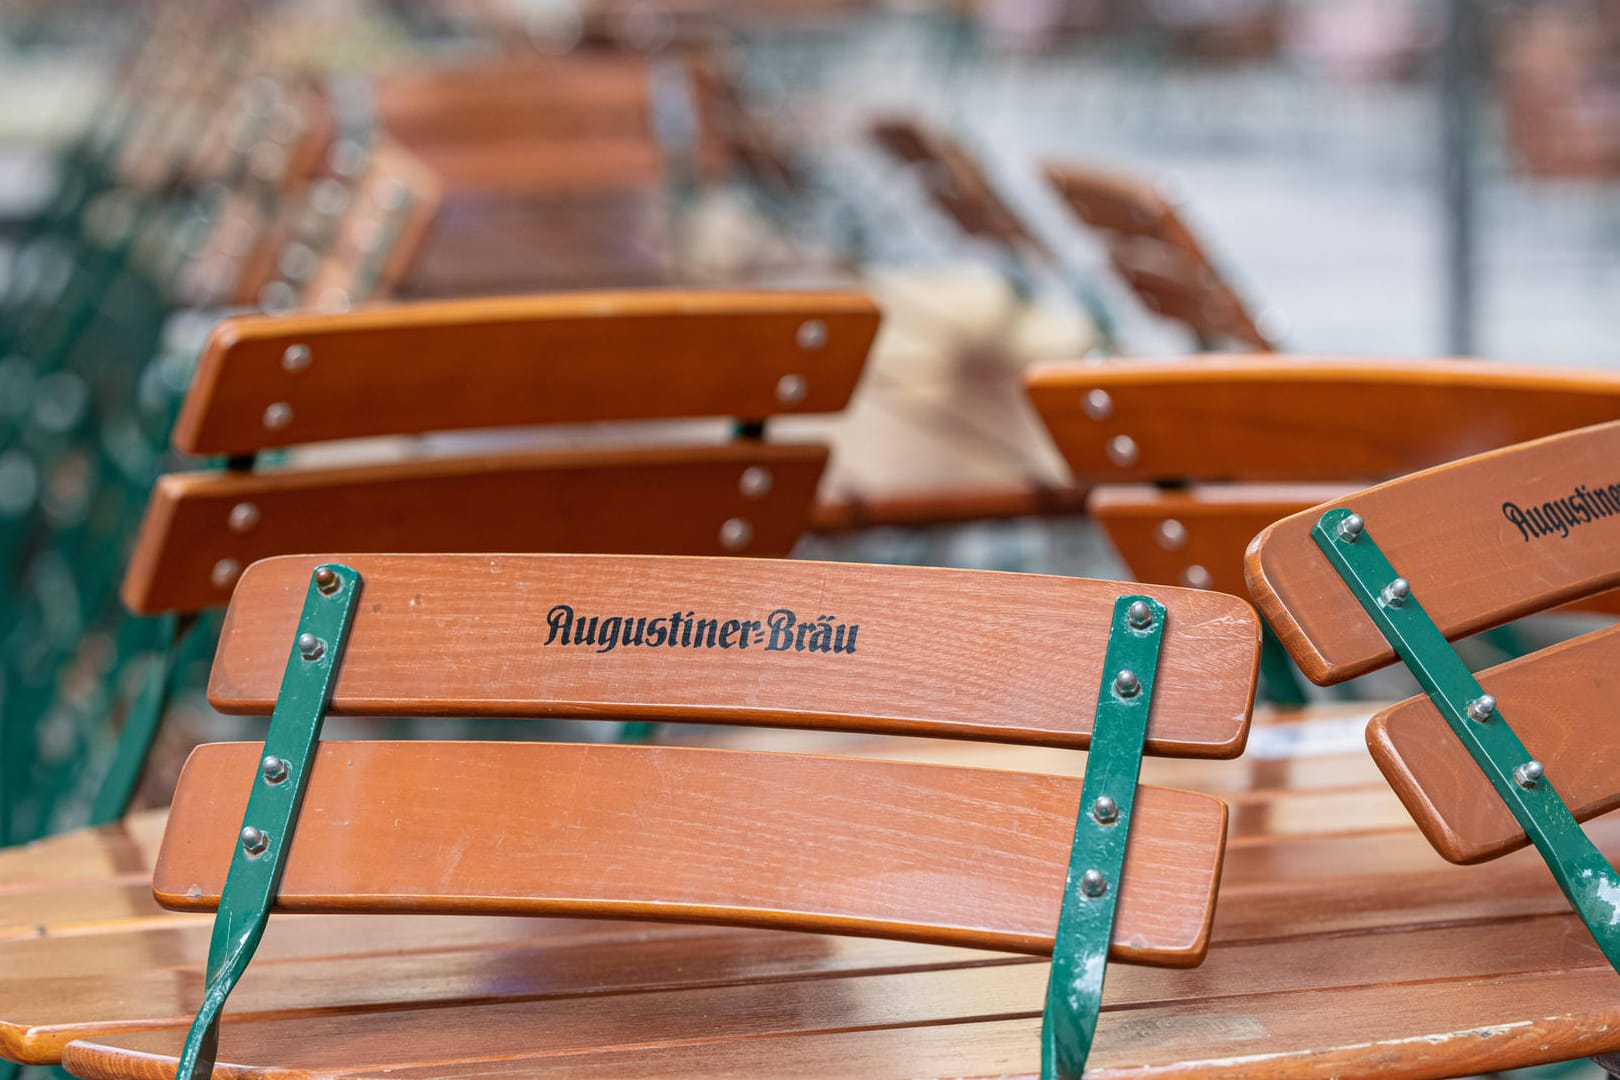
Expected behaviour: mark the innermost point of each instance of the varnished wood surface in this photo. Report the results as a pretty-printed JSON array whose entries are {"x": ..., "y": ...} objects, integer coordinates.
[
  {"x": 653, "y": 500},
  {"x": 1007, "y": 657},
  {"x": 566, "y": 358},
  {"x": 1447, "y": 531},
  {"x": 926, "y": 853},
  {"x": 1554, "y": 700},
  {"x": 1303, "y": 419}
]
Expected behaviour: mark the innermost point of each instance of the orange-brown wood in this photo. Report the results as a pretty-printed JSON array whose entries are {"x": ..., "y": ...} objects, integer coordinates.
[
  {"x": 1555, "y": 700},
  {"x": 1192, "y": 297},
  {"x": 1003, "y": 657},
  {"x": 201, "y": 528},
  {"x": 955, "y": 180},
  {"x": 543, "y": 359},
  {"x": 1286, "y": 419},
  {"x": 929, "y": 853},
  {"x": 1451, "y": 532}
]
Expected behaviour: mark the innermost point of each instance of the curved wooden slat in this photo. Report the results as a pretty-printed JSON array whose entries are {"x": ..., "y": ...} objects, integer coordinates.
[
  {"x": 565, "y": 358},
  {"x": 1285, "y": 419},
  {"x": 1465, "y": 535},
  {"x": 926, "y": 853},
  {"x": 661, "y": 500},
  {"x": 950, "y": 653}
]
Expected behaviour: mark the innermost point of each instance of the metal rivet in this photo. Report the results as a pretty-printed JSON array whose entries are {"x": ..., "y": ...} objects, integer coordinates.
[
  {"x": 254, "y": 841},
  {"x": 277, "y": 416},
  {"x": 273, "y": 768},
  {"x": 243, "y": 517},
  {"x": 1126, "y": 684},
  {"x": 1139, "y": 614},
  {"x": 755, "y": 482},
  {"x": 1097, "y": 405},
  {"x": 297, "y": 358},
  {"x": 224, "y": 573},
  {"x": 1529, "y": 774},
  {"x": 326, "y": 579},
  {"x": 790, "y": 389},
  {"x": 1482, "y": 708},
  {"x": 1396, "y": 592},
  {"x": 735, "y": 534},
  {"x": 1105, "y": 810},
  {"x": 812, "y": 334},
  {"x": 1350, "y": 528},
  {"x": 1171, "y": 534},
  {"x": 1093, "y": 884},
  {"x": 1197, "y": 577},
  {"x": 1122, "y": 451},
  {"x": 310, "y": 647}
]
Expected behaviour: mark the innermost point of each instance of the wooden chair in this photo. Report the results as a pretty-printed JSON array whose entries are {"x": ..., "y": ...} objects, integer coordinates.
[{"x": 944, "y": 857}]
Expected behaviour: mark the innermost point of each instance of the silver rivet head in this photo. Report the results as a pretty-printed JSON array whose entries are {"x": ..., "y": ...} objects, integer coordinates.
[
  {"x": 1197, "y": 577},
  {"x": 1126, "y": 684},
  {"x": 755, "y": 482},
  {"x": 1171, "y": 535},
  {"x": 1105, "y": 810},
  {"x": 243, "y": 517},
  {"x": 1139, "y": 614},
  {"x": 254, "y": 841},
  {"x": 310, "y": 647},
  {"x": 273, "y": 768},
  {"x": 790, "y": 389},
  {"x": 297, "y": 358},
  {"x": 1350, "y": 528},
  {"x": 1093, "y": 884},
  {"x": 1396, "y": 592},
  {"x": 812, "y": 334},
  {"x": 223, "y": 575},
  {"x": 326, "y": 579},
  {"x": 1529, "y": 774},
  {"x": 1122, "y": 451},
  {"x": 735, "y": 534},
  {"x": 277, "y": 416},
  {"x": 1097, "y": 405},
  {"x": 1482, "y": 708}
]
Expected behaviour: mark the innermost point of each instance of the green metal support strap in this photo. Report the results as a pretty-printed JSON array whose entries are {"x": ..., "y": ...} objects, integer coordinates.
[
  {"x": 1101, "y": 831},
  {"x": 273, "y": 804},
  {"x": 1390, "y": 601}
]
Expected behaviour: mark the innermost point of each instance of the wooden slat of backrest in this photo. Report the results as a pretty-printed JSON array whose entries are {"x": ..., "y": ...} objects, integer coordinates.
[
  {"x": 955, "y": 180},
  {"x": 1289, "y": 419},
  {"x": 1189, "y": 295},
  {"x": 1004, "y": 657},
  {"x": 1450, "y": 532},
  {"x": 1125, "y": 206},
  {"x": 662, "y": 500},
  {"x": 931, "y": 853},
  {"x": 1558, "y": 700},
  {"x": 381, "y": 233},
  {"x": 543, "y": 359}
]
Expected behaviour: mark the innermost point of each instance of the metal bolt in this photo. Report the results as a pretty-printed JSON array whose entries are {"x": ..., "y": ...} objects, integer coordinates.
[
  {"x": 1139, "y": 614},
  {"x": 735, "y": 534},
  {"x": 1126, "y": 684},
  {"x": 755, "y": 482},
  {"x": 1396, "y": 592},
  {"x": 277, "y": 416},
  {"x": 297, "y": 358},
  {"x": 1482, "y": 708},
  {"x": 243, "y": 517},
  {"x": 1105, "y": 810},
  {"x": 790, "y": 389},
  {"x": 1350, "y": 528},
  {"x": 1171, "y": 534},
  {"x": 1197, "y": 577},
  {"x": 1097, "y": 405},
  {"x": 273, "y": 768},
  {"x": 254, "y": 841},
  {"x": 223, "y": 575},
  {"x": 812, "y": 334},
  {"x": 326, "y": 579},
  {"x": 310, "y": 647},
  {"x": 1529, "y": 774},
  {"x": 1093, "y": 884},
  {"x": 1122, "y": 451}
]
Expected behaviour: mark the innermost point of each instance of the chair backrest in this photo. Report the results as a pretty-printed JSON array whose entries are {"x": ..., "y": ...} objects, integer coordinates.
[{"x": 273, "y": 382}]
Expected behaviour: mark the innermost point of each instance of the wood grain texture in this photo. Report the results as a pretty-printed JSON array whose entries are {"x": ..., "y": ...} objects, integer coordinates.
[
  {"x": 651, "y": 500},
  {"x": 1552, "y": 699},
  {"x": 927, "y": 853},
  {"x": 951, "y": 653},
  {"x": 565, "y": 358},
  {"x": 1449, "y": 531},
  {"x": 1304, "y": 420}
]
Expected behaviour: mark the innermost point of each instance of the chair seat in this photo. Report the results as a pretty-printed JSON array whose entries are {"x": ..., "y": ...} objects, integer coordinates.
[{"x": 1343, "y": 945}]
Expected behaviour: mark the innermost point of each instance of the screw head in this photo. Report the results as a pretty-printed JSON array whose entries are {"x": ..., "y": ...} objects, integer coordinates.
[
  {"x": 755, "y": 482},
  {"x": 277, "y": 416},
  {"x": 735, "y": 534},
  {"x": 1122, "y": 451},
  {"x": 1126, "y": 684},
  {"x": 1482, "y": 708},
  {"x": 790, "y": 389},
  {"x": 310, "y": 647},
  {"x": 1350, "y": 528},
  {"x": 297, "y": 358},
  {"x": 254, "y": 841},
  {"x": 326, "y": 580},
  {"x": 244, "y": 516},
  {"x": 1197, "y": 577},
  {"x": 1396, "y": 592},
  {"x": 1170, "y": 535},
  {"x": 1093, "y": 884},
  {"x": 1097, "y": 405},
  {"x": 273, "y": 768},
  {"x": 812, "y": 334},
  {"x": 224, "y": 573},
  {"x": 1529, "y": 774},
  {"x": 1105, "y": 810},
  {"x": 1139, "y": 615}
]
